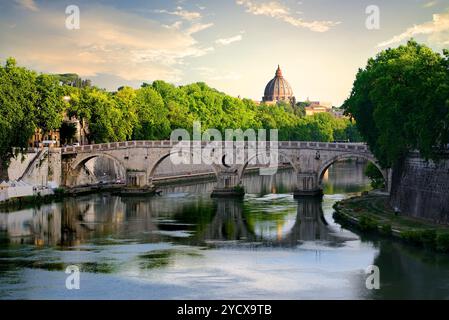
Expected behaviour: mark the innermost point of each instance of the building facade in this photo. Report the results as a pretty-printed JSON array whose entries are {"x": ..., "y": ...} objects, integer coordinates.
[
  {"x": 315, "y": 107},
  {"x": 44, "y": 139}
]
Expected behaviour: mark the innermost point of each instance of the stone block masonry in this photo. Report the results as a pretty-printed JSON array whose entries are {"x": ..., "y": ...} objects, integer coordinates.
[{"x": 420, "y": 188}]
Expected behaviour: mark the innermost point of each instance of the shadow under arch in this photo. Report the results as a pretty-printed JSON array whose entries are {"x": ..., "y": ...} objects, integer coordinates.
[
  {"x": 167, "y": 155},
  {"x": 322, "y": 170},
  {"x": 281, "y": 154},
  {"x": 77, "y": 166}
]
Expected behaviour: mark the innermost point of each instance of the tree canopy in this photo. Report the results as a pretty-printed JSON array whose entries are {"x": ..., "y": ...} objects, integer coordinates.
[
  {"x": 400, "y": 102},
  {"x": 26, "y": 102}
]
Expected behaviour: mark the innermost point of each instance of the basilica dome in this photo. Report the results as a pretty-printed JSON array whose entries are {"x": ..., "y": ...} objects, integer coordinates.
[{"x": 278, "y": 89}]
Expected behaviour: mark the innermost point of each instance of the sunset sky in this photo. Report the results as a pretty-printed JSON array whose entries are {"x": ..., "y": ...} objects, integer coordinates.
[{"x": 233, "y": 45}]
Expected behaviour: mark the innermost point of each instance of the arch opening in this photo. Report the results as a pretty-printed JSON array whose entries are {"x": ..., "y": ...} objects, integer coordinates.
[
  {"x": 340, "y": 158},
  {"x": 283, "y": 160},
  {"x": 165, "y": 168},
  {"x": 98, "y": 169}
]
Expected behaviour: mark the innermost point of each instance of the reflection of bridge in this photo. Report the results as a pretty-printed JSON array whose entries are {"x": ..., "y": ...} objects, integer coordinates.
[
  {"x": 230, "y": 223},
  {"x": 80, "y": 220},
  {"x": 140, "y": 159}
]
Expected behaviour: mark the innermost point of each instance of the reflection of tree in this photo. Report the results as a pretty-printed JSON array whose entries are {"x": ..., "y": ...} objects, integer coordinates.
[
  {"x": 71, "y": 215},
  {"x": 234, "y": 221},
  {"x": 228, "y": 222},
  {"x": 410, "y": 273},
  {"x": 198, "y": 213},
  {"x": 346, "y": 177}
]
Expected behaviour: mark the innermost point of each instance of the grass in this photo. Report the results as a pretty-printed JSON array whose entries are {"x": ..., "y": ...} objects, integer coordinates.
[{"x": 372, "y": 213}]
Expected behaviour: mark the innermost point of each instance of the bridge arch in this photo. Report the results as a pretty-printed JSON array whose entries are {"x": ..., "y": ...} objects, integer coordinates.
[
  {"x": 156, "y": 164},
  {"x": 347, "y": 156},
  {"x": 80, "y": 162},
  {"x": 294, "y": 164}
]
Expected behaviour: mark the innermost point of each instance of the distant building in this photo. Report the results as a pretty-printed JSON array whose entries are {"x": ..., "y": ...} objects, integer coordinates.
[
  {"x": 82, "y": 130},
  {"x": 278, "y": 90},
  {"x": 44, "y": 139},
  {"x": 338, "y": 112},
  {"x": 53, "y": 138},
  {"x": 314, "y": 107},
  {"x": 73, "y": 80}
]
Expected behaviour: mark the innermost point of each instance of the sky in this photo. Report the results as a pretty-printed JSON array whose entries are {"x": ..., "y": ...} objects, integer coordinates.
[{"x": 232, "y": 45}]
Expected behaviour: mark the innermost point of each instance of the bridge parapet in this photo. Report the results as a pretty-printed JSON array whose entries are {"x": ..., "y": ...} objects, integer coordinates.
[
  {"x": 169, "y": 144},
  {"x": 116, "y": 146}
]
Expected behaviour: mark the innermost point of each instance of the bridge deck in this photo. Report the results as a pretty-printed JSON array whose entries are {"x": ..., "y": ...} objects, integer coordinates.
[{"x": 361, "y": 147}]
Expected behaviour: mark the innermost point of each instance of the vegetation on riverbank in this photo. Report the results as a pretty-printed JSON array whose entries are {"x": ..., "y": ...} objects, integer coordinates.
[
  {"x": 371, "y": 213},
  {"x": 400, "y": 102}
]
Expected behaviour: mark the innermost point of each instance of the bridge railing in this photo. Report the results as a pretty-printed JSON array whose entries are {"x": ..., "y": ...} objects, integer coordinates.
[{"x": 168, "y": 144}]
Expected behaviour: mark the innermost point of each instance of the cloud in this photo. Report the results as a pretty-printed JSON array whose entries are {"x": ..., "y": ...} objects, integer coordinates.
[
  {"x": 228, "y": 41},
  {"x": 27, "y": 4},
  {"x": 109, "y": 41},
  {"x": 191, "y": 16},
  {"x": 176, "y": 25},
  {"x": 277, "y": 10},
  {"x": 184, "y": 14},
  {"x": 430, "y": 3},
  {"x": 197, "y": 27},
  {"x": 437, "y": 30}
]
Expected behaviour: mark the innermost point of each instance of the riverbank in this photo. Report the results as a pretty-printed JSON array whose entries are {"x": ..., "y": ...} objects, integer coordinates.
[
  {"x": 32, "y": 201},
  {"x": 372, "y": 213}
]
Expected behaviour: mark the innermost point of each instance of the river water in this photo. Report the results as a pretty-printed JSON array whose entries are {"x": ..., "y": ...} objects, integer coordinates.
[{"x": 185, "y": 245}]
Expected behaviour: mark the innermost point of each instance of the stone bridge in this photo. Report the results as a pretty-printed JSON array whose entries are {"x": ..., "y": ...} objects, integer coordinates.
[{"x": 140, "y": 159}]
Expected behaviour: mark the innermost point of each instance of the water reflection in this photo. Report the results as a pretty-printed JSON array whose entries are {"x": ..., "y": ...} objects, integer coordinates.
[
  {"x": 104, "y": 219},
  {"x": 268, "y": 214},
  {"x": 410, "y": 273},
  {"x": 184, "y": 244}
]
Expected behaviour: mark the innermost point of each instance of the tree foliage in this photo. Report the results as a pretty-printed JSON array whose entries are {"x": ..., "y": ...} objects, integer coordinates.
[
  {"x": 376, "y": 177},
  {"x": 401, "y": 102},
  {"x": 18, "y": 96},
  {"x": 67, "y": 132}
]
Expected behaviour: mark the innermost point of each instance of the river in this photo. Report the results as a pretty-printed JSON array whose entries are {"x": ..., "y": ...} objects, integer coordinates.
[{"x": 185, "y": 245}]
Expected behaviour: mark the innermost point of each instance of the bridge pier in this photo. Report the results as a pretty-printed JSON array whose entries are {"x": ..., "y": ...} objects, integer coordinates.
[
  {"x": 228, "y": 186},
  {"x": 137, "y": 183},
  {"x": 307, "y": 186}
]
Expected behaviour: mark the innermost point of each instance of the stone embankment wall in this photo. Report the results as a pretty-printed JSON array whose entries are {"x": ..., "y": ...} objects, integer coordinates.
[
  {"x": 41, "y": 168},
  {"x": 18, "y": 165},
  {"x": 420, "y": 188}
]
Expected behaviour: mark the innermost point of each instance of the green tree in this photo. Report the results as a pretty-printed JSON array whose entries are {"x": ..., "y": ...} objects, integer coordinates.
[
  {"x": 67, "y": 132},
  {"x": 401, "y": 102},
  {"x": 49, "y": 104},
  {"x": 104, "y": 116},
  {"x": 177, "y": 104},
  {"x": 18, "y": 96},
  {"x": 376, "y": 177},
  {"x": 125, "y": 100},
  {"x": 153, "y": 121}
]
